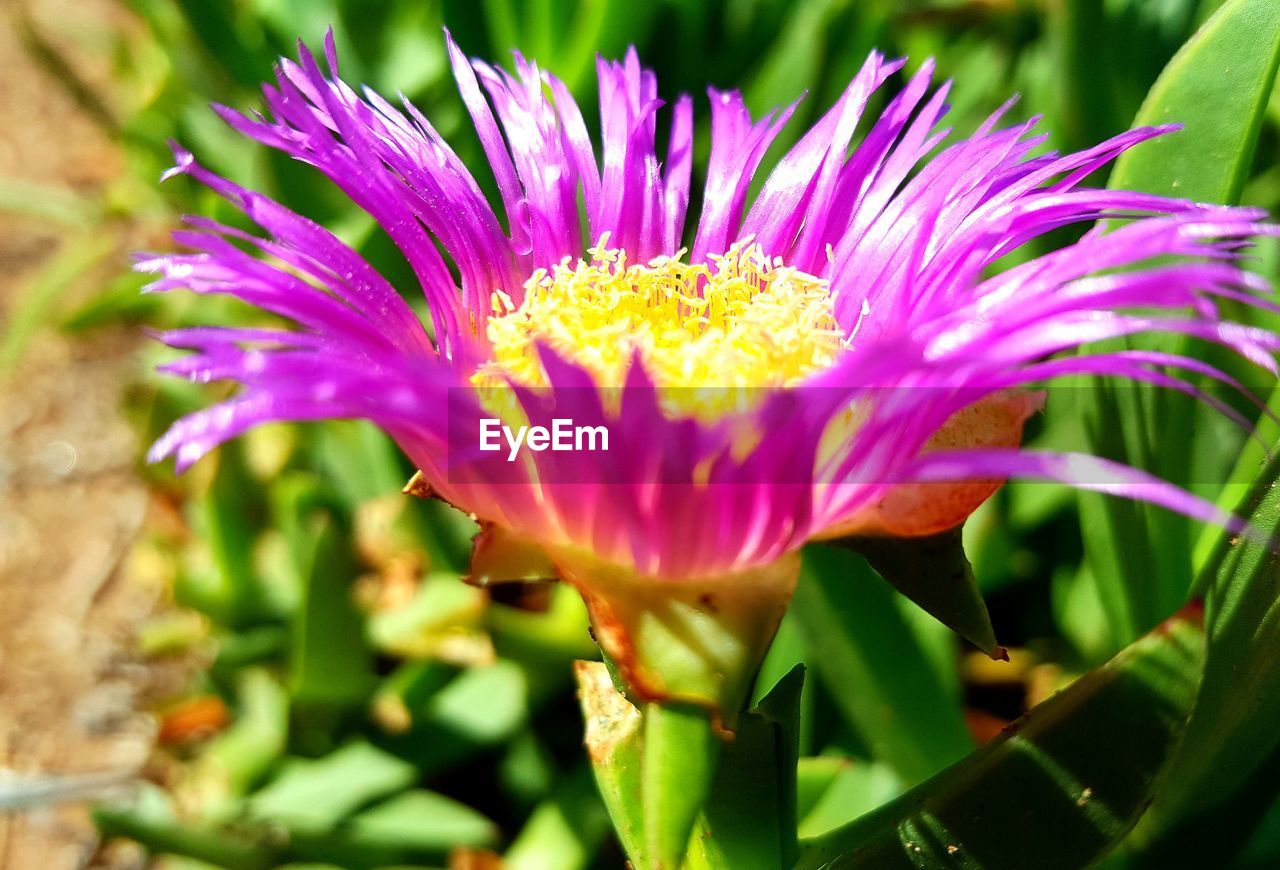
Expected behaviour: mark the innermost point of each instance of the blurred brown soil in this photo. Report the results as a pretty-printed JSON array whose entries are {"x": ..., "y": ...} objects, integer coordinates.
[{"x": 70, "y": 500}]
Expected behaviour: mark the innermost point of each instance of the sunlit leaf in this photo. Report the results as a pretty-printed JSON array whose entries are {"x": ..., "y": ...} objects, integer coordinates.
[
  {"x": 565, "y": 831},
  {"x": 316, "y": 793},
  {"x": 150, "y": 820},
  {"x": 1217, "y": 86},
  {"x": 882, "y": 679},
  {"x": 243, "y": 754}
]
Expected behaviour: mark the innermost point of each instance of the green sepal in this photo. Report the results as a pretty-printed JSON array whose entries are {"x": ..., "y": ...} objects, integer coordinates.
[
  {"x": 614, "y": 739},
  {"x": 934, "y": 572}
]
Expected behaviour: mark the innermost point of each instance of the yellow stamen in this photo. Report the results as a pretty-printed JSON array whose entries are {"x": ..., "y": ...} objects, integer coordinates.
[{"x": 707, "y": 333}]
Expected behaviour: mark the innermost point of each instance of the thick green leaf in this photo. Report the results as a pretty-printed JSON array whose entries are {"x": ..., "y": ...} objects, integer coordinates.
[
  {"x": 486, "y": 704},
  {"x": 1220, "y": 834},
  {"x": 549, "y": 638},
  {"x": 1057, "y": 788},
  {"x": 330, "y": 664},
  {"x": 252, "y": 646},
  {"x": 1233, "y": 726},
  {"x": 313, "y": 794},
  {"x": 814, "y": 775},
  {"x": 414, "y": 826},
  {"x": 858, "y": 788},
  {"x": 654, "y": 768},
  {"x": 244, "y": 752},
  {"x": 750, "y": 815},
  {"x": 1238, "y": 493},
  {"x": 565, "y": 831},
  {"x": 615, "y": 742},
  {"x": 883, "y": 680},
  {"x": 313, "y": 801},
  {"x": 150, "y": 820},
  {"x": 445, "y": 608},
  {"x": 406, "y": 691},
  {"x": 788, "y": 651},
  {"x": 1217, "y": 86},
  {"x": 472, "y": 713},
  {"x": 423, "y": 820}
]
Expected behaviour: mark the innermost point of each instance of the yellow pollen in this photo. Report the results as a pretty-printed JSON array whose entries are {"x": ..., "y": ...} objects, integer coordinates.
[{"x": 707, "y": 334}]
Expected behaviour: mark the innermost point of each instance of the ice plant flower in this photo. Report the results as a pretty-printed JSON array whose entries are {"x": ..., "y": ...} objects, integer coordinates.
[{"x": 835, "y": 356}]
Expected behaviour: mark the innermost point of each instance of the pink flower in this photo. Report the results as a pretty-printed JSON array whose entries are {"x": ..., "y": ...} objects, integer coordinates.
[{"x": 832, "y": 357}]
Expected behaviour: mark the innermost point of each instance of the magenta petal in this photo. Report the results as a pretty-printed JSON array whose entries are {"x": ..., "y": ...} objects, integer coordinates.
[
  {"x": 737, "y": 147},
  {"x": 1075, "y": 469}
]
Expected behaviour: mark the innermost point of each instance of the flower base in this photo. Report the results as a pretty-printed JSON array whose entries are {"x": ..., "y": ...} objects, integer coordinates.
[{"x": 697, "y": 641}]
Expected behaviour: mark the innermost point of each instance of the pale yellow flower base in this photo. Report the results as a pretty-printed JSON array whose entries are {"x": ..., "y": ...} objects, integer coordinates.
[{"x": 695, "y": 641}]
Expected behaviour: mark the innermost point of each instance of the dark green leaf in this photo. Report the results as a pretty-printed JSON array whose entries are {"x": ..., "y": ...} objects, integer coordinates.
[
  {"x": 787, "y": 651},
  {"x": 934, "y": 573},
  {"x": 1233, "y": 726},
  {"x": 1057, "y": 788}
]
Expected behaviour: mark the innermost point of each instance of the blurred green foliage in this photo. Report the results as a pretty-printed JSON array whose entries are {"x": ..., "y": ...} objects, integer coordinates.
[{"x": 384, "y": 713}]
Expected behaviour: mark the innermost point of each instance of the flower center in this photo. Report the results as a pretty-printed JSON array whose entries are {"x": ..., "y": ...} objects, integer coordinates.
[{"x": 706, "y": 333}]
